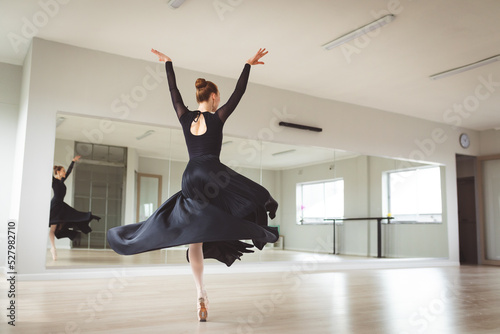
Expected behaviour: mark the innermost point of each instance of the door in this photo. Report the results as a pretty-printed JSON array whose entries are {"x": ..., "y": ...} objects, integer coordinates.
[{"x": 467, "y": 227}]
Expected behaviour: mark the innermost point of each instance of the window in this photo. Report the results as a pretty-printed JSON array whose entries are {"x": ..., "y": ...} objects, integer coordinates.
[
  {"x": 317, "y": 201},
  {"x": 414, "y": 195},
  {"x": 99, "y": 183}
]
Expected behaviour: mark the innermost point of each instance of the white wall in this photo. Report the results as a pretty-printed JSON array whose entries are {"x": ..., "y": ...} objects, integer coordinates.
[
  {"x": 490, "y": 142},
  {"x": 10, "y": 87},
  {"x": 58, "y": 77}
]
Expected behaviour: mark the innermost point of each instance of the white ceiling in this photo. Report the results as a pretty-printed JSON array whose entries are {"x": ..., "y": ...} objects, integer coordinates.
[{"x": 388, "y": 71}]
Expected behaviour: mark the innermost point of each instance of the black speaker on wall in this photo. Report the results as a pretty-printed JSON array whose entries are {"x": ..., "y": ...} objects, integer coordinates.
[{"x": 300, "y": 126}]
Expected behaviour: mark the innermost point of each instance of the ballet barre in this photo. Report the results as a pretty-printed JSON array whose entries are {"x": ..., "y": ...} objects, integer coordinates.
[{"x": 379, "y": 230}]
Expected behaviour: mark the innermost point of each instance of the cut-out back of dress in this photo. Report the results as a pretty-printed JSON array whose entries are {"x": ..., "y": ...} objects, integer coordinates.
[{"x": 198, "y": 126}]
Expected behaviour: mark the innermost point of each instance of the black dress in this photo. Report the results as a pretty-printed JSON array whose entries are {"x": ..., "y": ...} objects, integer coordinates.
[
  {"x": 69, "y": 220},
  {"x": 216, "y": 206}
]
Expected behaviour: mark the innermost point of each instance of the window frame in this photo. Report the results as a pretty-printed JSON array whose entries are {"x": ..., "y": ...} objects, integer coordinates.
[{"x": 387, "y": 199}]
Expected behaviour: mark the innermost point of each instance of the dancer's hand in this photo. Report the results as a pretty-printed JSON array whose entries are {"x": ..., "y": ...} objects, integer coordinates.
[
  {"x": 255, "y": 59},
  {"x": 75, "y": 159},
  {"x": 161, "y": 56}
]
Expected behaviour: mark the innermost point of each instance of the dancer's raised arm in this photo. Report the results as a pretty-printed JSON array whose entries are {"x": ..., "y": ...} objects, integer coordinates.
[
  {"x": 70, "y": 168},
  {"x": 255, "y": 59},
  {"x": 226, "y": 110},
  {"x": 161, "y": 56},
  {"x": 179, "y": 106}
]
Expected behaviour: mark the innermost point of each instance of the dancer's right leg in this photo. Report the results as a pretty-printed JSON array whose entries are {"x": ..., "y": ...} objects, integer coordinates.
[
  {"x": 52, "y": 242},
  {"x": 196, "y": 261}
]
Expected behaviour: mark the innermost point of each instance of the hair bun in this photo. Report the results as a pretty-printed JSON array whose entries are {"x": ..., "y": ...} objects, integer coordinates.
[{"x": 200, "y": 83}]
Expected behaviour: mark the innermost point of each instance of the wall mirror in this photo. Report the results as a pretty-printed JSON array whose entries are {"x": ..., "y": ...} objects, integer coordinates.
[{"x": 128, "y": 169}]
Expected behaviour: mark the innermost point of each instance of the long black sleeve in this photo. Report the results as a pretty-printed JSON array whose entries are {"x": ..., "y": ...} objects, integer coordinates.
[
  {"x": 70, "y": 168},
  {"x": 179, "y": 106},
  {"x": 226, "y": 110}
]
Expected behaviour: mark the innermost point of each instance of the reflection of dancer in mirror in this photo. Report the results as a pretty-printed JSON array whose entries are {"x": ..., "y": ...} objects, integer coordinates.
[
  {"x": 216, "y": 207},
  {"x": 65, "y": 222}
]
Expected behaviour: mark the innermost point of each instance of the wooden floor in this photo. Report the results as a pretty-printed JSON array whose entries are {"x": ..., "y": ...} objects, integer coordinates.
[{"x": 418, "y": 300}]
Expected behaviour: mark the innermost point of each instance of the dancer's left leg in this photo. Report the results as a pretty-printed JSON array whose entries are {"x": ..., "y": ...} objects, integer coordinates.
[{"x": 52, "y": 241}]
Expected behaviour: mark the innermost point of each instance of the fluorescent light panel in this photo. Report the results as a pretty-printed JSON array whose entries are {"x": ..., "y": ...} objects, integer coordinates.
[
  {"x": 360, "y": 31},
  {"x": 465, "y": 68},
  {"x": 145, "y": 134},
  {"x": 283, "y": 152}
]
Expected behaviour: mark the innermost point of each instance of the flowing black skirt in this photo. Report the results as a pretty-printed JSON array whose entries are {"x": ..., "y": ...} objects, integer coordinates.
[
  {"x": 69, "y": 220},
  {"x": 216, "y": 206}
]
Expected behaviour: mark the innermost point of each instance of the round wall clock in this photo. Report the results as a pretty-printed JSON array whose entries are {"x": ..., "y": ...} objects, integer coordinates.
[{"x": 464, "y": 140}]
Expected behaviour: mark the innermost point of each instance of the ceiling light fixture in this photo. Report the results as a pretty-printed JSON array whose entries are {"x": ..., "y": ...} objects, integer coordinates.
[
  {"x": 145, "y": 134},
  {"x": 360, "y": 31},
  {"x": 465, "y": 68},
  {"x": 283, "y": 152},
  {"x": 175, "y": 3}
]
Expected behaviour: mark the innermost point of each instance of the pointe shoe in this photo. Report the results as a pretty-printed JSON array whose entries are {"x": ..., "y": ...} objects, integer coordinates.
[
  {"x": 203, "y": 308},
  {"x": 54, "y": 253}
]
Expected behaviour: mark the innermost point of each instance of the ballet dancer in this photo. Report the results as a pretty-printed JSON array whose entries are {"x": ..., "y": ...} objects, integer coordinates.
[
  {"x": 217, "y": 207},
  {"x": 65, "y": 222}
]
